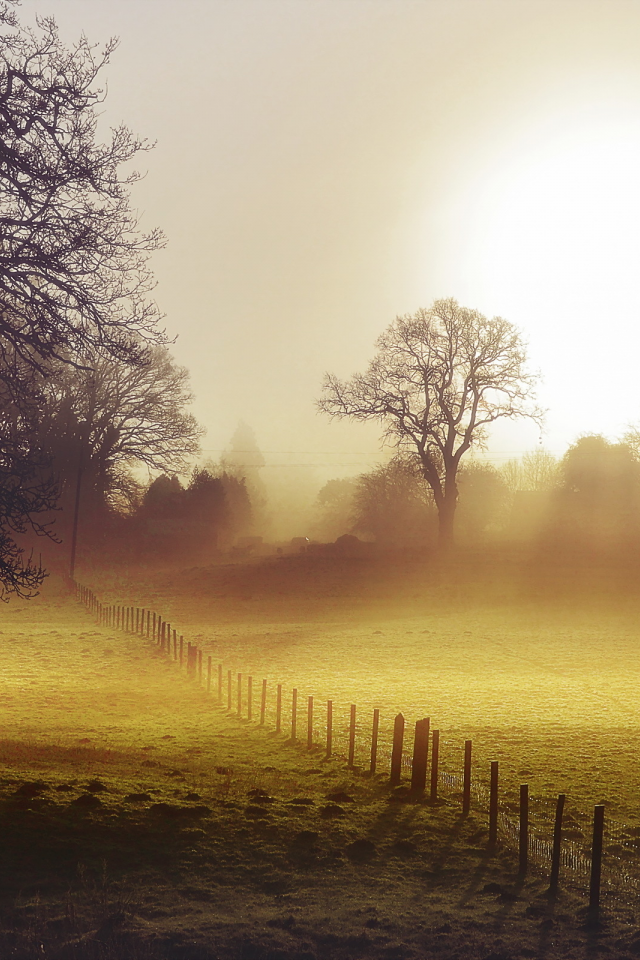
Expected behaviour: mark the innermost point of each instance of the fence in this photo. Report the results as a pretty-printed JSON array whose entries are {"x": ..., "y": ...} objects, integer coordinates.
[{"x": 536, "y": 839}]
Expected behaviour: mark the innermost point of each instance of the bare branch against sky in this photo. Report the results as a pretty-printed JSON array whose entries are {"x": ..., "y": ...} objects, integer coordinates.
[{"x": 322, "y": 167}]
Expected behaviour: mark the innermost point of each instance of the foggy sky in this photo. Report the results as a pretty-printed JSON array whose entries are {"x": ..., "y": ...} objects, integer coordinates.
[{"x": 323, "y": 165}]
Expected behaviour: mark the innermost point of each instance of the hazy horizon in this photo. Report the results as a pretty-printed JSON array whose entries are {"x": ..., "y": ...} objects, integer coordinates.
[{"x": 322, "y": 167}]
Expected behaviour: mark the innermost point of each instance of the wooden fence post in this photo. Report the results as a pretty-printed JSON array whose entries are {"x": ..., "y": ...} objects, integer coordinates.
[
  {"x": 199, "y": 652},
  {"x": 208, "y": 674},
  {"x": 239, "y": 711},
  {"x": 435, "y": 758},
  {"x": 181, "y": 649},
  {"x": 420, "y": 755},
  {"x": 557, "y": 845},
  {"x": 219, "y": 683},
  {"x": 279, "y": 708},
  {"x": 175, "y": 645},
  {"x": 263, "y": 702},
  {"x": 493, "y": 804},
  {"x": 153, "y": 632},
  {"x": 229, "y": 690},
  {"x": 352, "y": 734},
  {"x": 396, "y": 753},
  {"x": 466, "y": 783},
  {"x": 596, "y": 862},
  {"x": 137, "y": 619},
  {"x": 309, "y": 723},
  {"x": 523, "y": 844},
  {"x": 148, "y": 623},
  {"x": 294, "y": 713},
  {"x": 374, "y": 742},
  {"x": 249, "y": 697},
  {"x": 329, "y": 727}
]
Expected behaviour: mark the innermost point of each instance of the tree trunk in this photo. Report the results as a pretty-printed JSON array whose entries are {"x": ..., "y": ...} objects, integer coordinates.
[{"x": 446, "y": 514}]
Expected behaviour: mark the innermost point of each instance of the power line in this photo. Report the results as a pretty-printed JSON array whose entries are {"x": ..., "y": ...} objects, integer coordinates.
[
  {"x": 357, "y": 453},
  {"x": 282, "y": 453}
]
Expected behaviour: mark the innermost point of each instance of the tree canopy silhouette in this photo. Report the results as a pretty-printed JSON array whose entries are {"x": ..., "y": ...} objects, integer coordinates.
[
  {"x": 438, "y": 380},
  {"x": 127, "y": 416},
  {"x": 74, "y": 272},
  {"x": 598, "y": 497},
  {"x": 73, "y": 264},
  {"x": 27, "y": 489}
]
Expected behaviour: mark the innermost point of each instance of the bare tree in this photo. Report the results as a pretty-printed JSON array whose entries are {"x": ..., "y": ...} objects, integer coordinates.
[
  {"x": 74, "y": 274},
  {"x": 393, "y": 503},
  {"x": 73, "y": 264},
  {"x": 438, "y": 380},
  {"x": 127, "y": 415},
  {"x": 537, "y": 470}
]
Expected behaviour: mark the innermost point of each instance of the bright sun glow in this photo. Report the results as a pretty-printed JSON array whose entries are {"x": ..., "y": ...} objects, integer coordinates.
[
  {"x": 570, "y": 217},
  {"x": 548, "y": 235}
]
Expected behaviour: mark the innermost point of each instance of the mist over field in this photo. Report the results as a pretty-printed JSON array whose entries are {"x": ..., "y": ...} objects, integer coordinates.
[{"x": 319, "y": 480}]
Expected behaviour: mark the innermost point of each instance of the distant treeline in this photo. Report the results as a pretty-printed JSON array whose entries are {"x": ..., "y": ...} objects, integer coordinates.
[{"x": 589, "y": 498}]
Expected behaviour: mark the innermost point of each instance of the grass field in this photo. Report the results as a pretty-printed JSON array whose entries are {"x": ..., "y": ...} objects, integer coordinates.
[{"x": 140, "y": 820}]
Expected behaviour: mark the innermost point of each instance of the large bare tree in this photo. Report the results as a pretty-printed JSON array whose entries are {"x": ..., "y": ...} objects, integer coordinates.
[
  {"x": 438, "y": 380},
  {"x": 74, "y": 271},
  {"x": 73, "y": 264}
]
